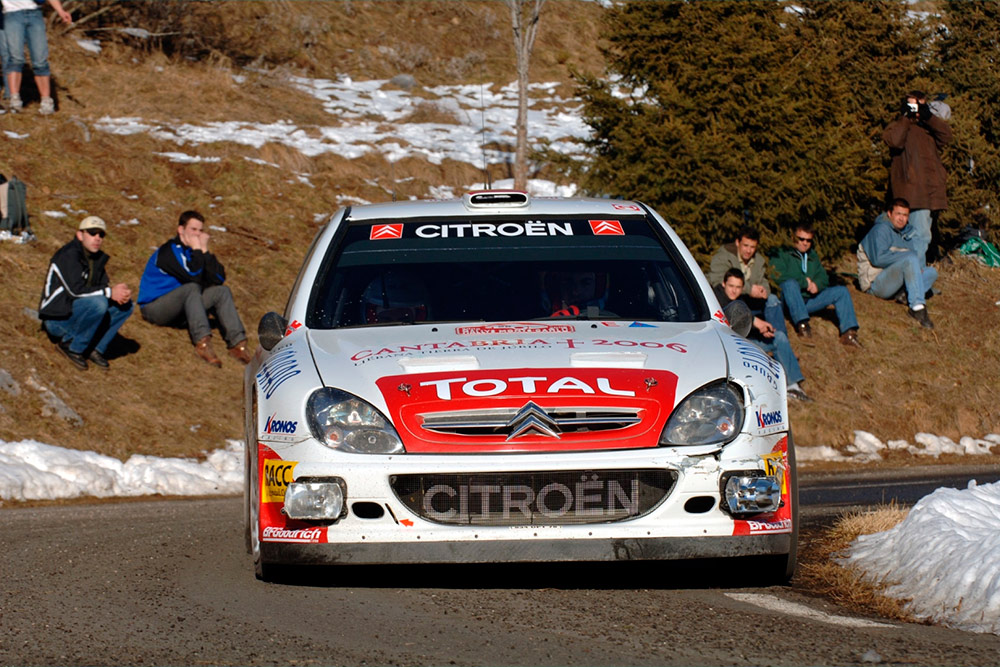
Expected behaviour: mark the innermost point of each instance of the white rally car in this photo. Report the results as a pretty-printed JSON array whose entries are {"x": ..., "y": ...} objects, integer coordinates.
[{"x": 506, "y": 378}]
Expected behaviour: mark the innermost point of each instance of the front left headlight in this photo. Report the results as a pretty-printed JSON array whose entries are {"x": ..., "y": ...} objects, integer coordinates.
[
  {"x": 343, "y": 421},
  {"x": 712, "y": 415}
]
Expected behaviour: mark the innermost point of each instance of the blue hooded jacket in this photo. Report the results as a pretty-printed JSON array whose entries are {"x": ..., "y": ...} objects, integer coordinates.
[{"x": 881, "y": 247}]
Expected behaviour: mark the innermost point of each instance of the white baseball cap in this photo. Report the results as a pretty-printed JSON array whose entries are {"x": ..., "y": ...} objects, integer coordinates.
[{"x": 92, "y": 222}]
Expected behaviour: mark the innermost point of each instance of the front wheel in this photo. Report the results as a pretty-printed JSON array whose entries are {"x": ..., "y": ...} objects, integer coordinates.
[{"x": 780, "y": 569}]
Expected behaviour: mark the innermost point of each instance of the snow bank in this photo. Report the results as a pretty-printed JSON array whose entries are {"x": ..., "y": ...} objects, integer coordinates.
[
  {"x": 30, "y": 470},
  {"x": 944, "y": 558}
]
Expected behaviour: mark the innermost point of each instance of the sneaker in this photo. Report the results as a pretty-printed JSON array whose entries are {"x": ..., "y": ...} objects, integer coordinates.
[
  {"x": 98, "y": 360},
  {"x": 803, "y": 329},
  {"x": 203, "y": 349},
  {"x": 15, "y": 103},
  {"x": 76, "y": 359},
  {"x": 798, "y": 394},
  {"x": 48, "y": 106},
  {"x": 850, "y": 338},
  {"x": 922, "y": 317},
  {"x": 240, "y": 352}
]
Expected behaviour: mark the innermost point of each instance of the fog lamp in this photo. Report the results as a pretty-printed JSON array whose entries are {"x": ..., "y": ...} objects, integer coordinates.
[
  {"x": 752, "y": 494},
  {"x": 314, "y": 500}
]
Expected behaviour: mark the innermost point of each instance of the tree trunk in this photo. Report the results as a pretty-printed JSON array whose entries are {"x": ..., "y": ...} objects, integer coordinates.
[{"x": 524, "y": 21}]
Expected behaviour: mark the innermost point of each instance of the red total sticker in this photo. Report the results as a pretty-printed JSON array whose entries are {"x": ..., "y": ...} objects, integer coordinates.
[
  {"x": 625, "y": 207},
  {"x": 606, "y": 227},
  {"x": 379, "y": 232},
  {"x": 508, "y": 395}
]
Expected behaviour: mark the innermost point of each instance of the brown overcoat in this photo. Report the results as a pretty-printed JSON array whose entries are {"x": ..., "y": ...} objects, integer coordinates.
[{"x": 916, "y": 173}]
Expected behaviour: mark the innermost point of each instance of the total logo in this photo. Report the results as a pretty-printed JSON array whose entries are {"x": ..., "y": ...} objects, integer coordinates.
[
  {"x": 280, "y": 426},
  {"x": 767, "y": 419},
  {"x": 528, "y": 384}
]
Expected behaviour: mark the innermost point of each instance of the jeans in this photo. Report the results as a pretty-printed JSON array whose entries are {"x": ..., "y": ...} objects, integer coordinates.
[
  {"x": 26, "y": 26},
  {"x": 906, "y": 271},
  {"x": 190, "y": 303},
  {"x": 4, "y": 54},
  {"x": 920, "y": 221},
  {"x": 778, "y": 345},
  {"x": 92, "y": 316},
  {"x": 800, "y": 306}
]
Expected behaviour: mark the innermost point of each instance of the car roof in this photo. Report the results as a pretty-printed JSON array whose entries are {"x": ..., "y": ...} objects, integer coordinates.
[{"x": 497, "y": 202}]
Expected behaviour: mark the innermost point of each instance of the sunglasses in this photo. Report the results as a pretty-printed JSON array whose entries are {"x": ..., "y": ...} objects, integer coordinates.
[
  {"x": 95, "y": 232},
  {"x": 804, "y": 239}
]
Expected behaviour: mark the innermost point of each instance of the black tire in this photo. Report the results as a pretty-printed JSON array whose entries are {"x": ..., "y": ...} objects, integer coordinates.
[
  {"x": 249, "y": 462},
  {"x": 780, "y": 569}
]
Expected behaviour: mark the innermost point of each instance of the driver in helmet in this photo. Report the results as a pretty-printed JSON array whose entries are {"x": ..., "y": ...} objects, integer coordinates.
[
  {"x": 572, "y": 293},
  {"x": 396, "y": 295}
]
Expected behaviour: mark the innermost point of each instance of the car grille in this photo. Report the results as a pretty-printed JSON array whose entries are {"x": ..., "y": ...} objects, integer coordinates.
[
  {"x": 530, "y": 419},
  {"x": 534, "y": 498}
]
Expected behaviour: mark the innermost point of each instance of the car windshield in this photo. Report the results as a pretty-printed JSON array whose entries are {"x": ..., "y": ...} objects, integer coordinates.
[{"x": 502, "y": 268}]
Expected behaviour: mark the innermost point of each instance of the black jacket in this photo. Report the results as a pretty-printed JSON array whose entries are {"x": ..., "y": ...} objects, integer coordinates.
[{"x": 71, "y": 276}]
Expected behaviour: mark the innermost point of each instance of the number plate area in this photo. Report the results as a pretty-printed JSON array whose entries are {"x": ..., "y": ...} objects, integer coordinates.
[{"x": 534, "y": 498}]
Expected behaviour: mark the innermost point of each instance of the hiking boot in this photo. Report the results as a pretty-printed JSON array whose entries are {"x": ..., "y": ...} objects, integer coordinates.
[
  {"x": 922, "y": 317},
  {"x": 803, "y": 329},
  {"x": 799, "y": 395},
  {"x": 98, "y": 360},
  {"x": 48, "y": 106},
  {"x": 76, "y": 359},
  {"x": 850, "y": 338},
  {"x": 240, "y": 352},
  {"x": 15, "y": 103},
  {"x": 203, "y": 349}
]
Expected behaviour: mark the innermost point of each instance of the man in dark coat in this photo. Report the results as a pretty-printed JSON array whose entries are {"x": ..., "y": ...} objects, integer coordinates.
[
  {"x": 79, "y": 307},
  {"x": 916, "y": 173}
]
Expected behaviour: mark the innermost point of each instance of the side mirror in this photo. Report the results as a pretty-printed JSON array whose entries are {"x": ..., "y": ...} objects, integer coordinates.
[
  {"x": 271, "y": 330},
  {"x": 739, "y": 316}
]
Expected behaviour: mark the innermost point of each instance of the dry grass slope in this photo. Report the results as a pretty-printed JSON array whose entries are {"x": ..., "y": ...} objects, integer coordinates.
[{"x": 820, "y": 573}]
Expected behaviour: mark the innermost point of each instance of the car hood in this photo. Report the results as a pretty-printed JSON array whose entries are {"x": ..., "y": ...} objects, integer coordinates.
[{"x": 415, "y": 373}]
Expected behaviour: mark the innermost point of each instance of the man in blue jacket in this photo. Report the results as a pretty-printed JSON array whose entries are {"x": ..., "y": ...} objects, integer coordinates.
[
  {"x": 182, "y": 282},
  {"x": 889, "y": 261}
]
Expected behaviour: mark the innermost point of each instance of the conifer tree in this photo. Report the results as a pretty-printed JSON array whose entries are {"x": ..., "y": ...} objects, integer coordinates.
[
  {"x": 751, "y": 111},
  {"x": 967, "y": 67}
]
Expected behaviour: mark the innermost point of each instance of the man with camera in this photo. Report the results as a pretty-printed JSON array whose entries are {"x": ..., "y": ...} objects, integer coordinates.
[{"x": 916, "y": 173}]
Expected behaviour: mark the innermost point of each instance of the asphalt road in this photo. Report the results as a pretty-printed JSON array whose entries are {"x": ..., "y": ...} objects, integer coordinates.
[{"x": 154, "y": 583}]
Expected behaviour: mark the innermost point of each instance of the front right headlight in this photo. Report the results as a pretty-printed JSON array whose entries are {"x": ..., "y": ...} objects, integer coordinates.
[
  {"x": 343, "y": 421},
  {"x": 712, "y": 415}
]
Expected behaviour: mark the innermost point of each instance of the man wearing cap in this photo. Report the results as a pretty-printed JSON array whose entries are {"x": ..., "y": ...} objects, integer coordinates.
[
  {"x": 79, "y": 307},
  {"x": 182, "y": 282}
]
